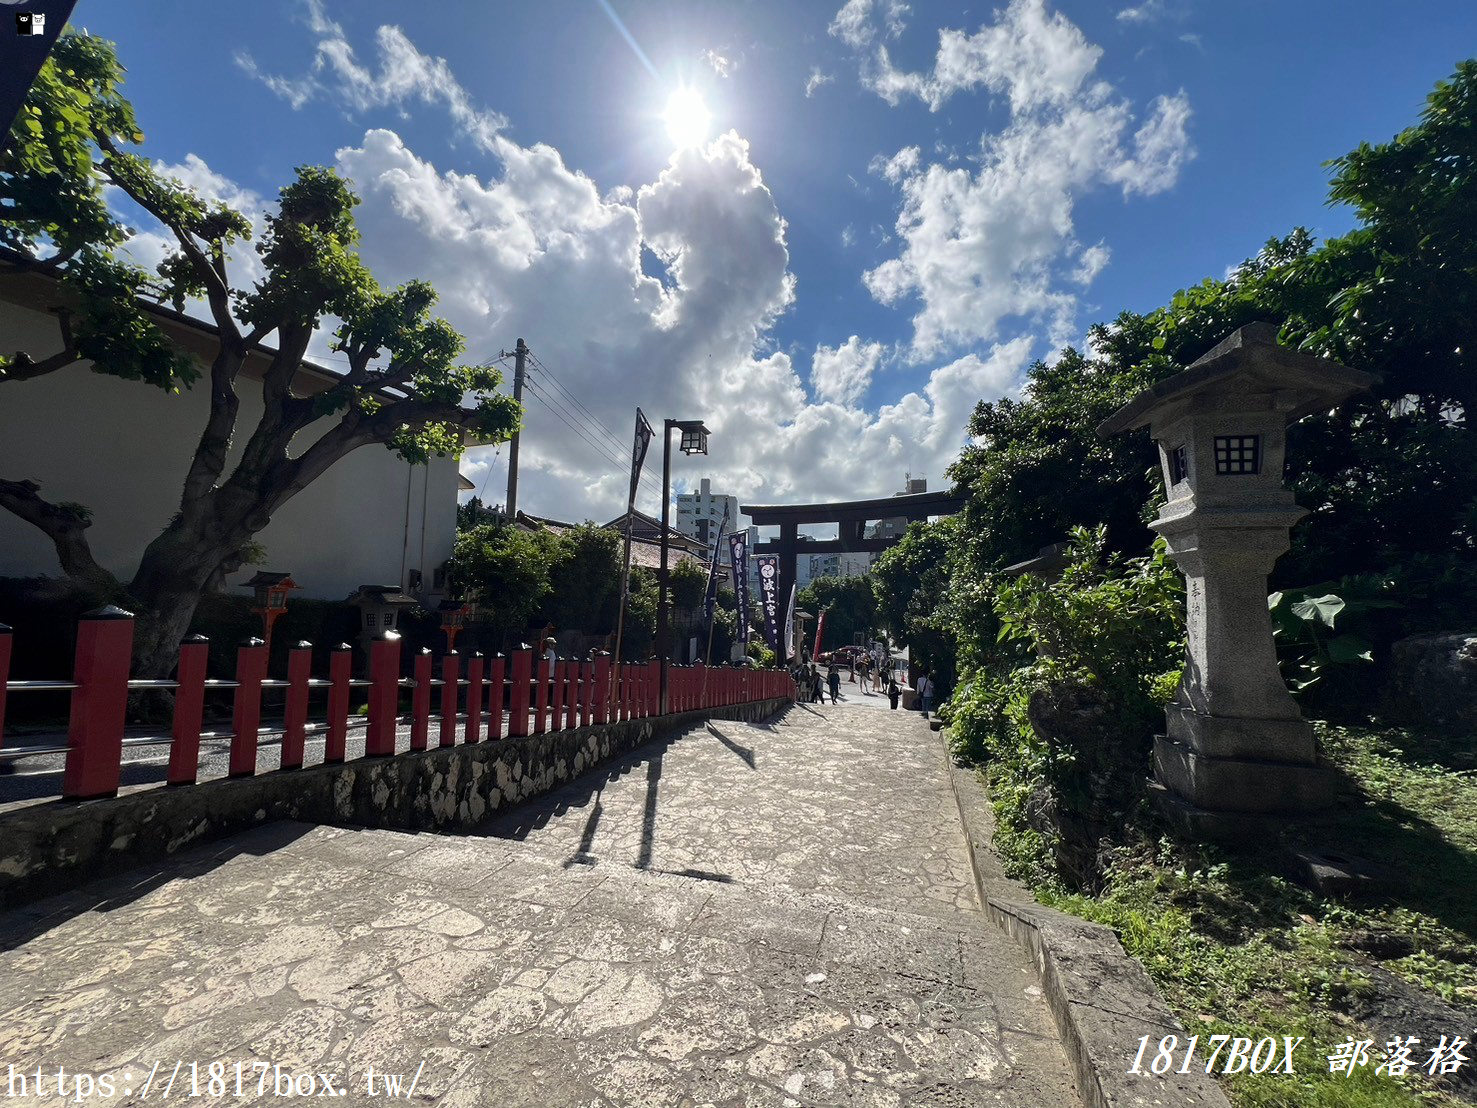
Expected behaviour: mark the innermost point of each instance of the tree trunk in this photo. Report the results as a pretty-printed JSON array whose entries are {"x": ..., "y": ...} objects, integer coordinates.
[{"x": 176, "y": 571}]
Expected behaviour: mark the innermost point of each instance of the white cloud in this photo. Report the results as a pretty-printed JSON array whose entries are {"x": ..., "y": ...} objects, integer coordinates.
[
  {"x": 404, "y": 75},
  {"x": 983, "y": 246},
  {"x": 1160, "y": 148},
  {"x": 1035, "y": 58},
  {"x": 857, "y": 23},
  {"x": 843, "y": 373},
  {"x": 1147, "y": 12},
  {"x": 721, "y": 64},
  {"x": 816, "y": 80},
  {"x": 848, "y": 235},
  {"x": 1090, "y": 263},
  {"x": 900, "y": 165}
]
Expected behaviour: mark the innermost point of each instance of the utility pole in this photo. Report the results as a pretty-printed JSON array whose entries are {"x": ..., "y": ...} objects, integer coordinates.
[{"x": 520, "y": 357}]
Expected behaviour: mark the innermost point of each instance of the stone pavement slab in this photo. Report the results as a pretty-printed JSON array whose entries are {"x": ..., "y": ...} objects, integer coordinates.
[{"x": 774, "y": 914}]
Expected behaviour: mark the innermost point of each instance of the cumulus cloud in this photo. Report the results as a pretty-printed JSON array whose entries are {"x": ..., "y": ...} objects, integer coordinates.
[
  {"x": 1035, "y": 58},
  {"x": 528, "y": 247},
  {"x": 403, "y": 75},
  {"x": 843, "y": 373},
  {"x": 982, "y": 246}
]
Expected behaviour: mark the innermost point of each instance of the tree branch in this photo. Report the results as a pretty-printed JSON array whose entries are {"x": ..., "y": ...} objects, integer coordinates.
[
  {"x": 22, "y": 368},
  {"x": 65, "y": 525},
  {"x": 217, "y": 292}
]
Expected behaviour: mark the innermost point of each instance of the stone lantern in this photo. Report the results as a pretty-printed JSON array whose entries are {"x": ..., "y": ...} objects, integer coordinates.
[
  {"x": 271, "y": 591},
  {"x": 1236, "y": 748},
  {"x": 379, "y": 608}
]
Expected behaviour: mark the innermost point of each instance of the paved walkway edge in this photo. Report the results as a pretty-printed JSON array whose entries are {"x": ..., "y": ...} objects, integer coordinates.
[
  {"x": 50, "y": 847},
  {"x": 1100, "y": 997}
]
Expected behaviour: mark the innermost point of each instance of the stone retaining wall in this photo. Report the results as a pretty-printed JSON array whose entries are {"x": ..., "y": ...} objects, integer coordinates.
[{"x": 46, "y": 848}]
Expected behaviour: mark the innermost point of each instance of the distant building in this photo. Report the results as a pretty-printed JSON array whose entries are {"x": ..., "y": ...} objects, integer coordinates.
[
  {"x": 699, "y": 514},
  {"x": 892, "y": 529},
  {"x": 838, "y": 565}
]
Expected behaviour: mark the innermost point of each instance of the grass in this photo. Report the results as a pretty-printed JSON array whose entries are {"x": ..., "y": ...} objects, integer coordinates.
[{"x": 1238, "y": 949}]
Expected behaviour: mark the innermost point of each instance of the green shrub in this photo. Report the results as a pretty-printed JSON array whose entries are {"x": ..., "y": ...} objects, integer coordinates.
[{"x": 1065, "y": 732}]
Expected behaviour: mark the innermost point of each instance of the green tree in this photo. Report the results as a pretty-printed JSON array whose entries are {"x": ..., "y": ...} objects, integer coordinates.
[
  {"x": 585, "y": 581},
  {"x": 689, "y": 584},
  {"x": 849, "y": 603},
  {"x": 404, "y": 387},
  {"x": 1391, "y": 477},
  {"x": 911, "y": 584},
  {"x": 507, "y": 570}
]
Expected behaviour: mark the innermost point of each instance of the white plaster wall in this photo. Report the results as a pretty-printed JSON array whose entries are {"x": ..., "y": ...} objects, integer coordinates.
[{"x": 122, "y": 448}]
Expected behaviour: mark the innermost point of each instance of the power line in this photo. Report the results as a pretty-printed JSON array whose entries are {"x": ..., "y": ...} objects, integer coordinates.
[
  {"x": 603, "y": 451},
  {"x": 590, "y": 418}
]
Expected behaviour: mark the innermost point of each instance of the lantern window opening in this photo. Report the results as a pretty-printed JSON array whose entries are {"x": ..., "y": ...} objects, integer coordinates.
[
  {"x": 694, "y": 440},
  {"x": 1237, "y": 455},
  {"x": 1179, "y": 465}
]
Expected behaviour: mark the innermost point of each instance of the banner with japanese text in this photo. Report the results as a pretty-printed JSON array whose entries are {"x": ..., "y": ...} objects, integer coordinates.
[
  {"x": 769, "y": 596},
  {"x": 738, "y": 556}
]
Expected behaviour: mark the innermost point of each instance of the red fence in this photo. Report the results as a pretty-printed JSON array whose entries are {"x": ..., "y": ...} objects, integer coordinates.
[{"x": 536, "y": 697}]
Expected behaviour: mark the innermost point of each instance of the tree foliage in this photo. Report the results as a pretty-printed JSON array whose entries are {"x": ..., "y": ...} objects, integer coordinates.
[
  {"x": 850, "y": 606},
  {"x": 911, "y": 585},
  {"x": 520, "y": 578},
  {"x": 1390, "y": 477},
  {"x": 405, "y": 387}
]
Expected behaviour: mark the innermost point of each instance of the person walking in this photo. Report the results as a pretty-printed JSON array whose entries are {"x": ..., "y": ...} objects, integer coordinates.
[
  {"x": 865, "y": 673},
  {"x": 834, "y": 680},
  {"x": 894, "y": 694},
  {"x": 925, "y": 693}
]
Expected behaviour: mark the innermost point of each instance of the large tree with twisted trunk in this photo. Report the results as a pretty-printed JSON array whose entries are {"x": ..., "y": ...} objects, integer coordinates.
[{"x": 404, "y": 388}]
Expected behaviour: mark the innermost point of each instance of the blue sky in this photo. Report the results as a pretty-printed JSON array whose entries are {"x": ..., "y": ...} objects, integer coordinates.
[{"x": 897, "y": 208}]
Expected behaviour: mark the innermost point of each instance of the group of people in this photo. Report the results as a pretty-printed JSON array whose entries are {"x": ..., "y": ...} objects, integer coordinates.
[{"x": 814, "y": 686}]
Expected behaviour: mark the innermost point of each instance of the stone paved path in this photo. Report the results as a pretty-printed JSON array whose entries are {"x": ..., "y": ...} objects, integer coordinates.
[{"x": 778, "y": 914}]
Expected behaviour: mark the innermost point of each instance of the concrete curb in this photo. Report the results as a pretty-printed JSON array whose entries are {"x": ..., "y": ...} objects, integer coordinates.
[{"x": 1100, "y": 998}]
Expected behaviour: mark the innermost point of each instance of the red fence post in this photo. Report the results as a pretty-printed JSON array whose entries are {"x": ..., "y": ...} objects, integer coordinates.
[
  {"x": 602, "y": 687},
  {"x": 338, "y": 703},
  {"x": 571, "y": 695},
  {"x": 495, "y": 690},
  {"x": 620, "y": 691},
  {"x": 384, "y": 694},
  {"x": 474, "y": 698},
  {"x": 99, "y": 702},
  {"x": 587, "y": 691},
  {"x": 557, "y": 672},
  {"x": 189, "y": 710},
  {"x": 634, "y": 696},
  {"x": 246, "y": 712},
  {"x": 295, "y": 710},
  {"x": 540, "y": 695},
  {"x": 420, "y": 701},
  {"x": 4, "y": 675},
  {"x": 518, "y": 694},
  {"x": 450, "y": 667}
]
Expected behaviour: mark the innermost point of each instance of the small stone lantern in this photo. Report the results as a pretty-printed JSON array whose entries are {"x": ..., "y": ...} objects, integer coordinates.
[
  {"x": 271, "y": 599},
  {"x": 453, "y": 615},
  {"x": 1236, "y": 748},
  {"x": 379, "y": 609}
]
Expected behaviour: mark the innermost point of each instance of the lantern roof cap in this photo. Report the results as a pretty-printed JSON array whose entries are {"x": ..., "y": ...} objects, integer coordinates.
[
  {"x": 384, "y": 594},
  {"x": 1248, "y": 359},
  {"x": 265, "y": 578}
]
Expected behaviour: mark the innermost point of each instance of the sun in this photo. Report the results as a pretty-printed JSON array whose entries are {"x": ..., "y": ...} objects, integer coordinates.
[{"x": 687, "y": 118}]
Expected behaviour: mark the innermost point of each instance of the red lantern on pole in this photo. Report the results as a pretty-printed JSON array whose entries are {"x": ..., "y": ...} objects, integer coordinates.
[
  {"x": 453, "y": 615},
  {"x": 271, "y": 599}
]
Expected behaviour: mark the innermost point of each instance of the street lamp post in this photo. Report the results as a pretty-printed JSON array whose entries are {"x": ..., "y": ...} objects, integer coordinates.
[{"x": 694, "y": 441}]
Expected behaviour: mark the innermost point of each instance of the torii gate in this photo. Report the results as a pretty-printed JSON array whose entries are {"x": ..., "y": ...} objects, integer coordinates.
[{"x": 851, "y": 518}]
